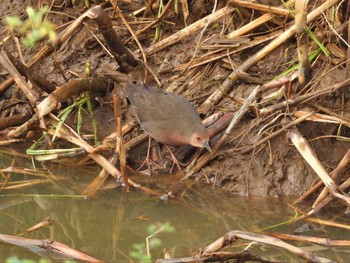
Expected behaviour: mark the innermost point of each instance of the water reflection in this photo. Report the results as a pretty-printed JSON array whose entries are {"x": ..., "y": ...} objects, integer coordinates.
[{"x": 108, "y": 225}]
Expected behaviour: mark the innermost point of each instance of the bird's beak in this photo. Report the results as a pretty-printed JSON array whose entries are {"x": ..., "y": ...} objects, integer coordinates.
[{"x": 206, "y": 145}]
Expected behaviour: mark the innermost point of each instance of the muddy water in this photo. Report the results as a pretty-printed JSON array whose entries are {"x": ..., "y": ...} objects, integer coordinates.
[{"x": 109, "y": 225}]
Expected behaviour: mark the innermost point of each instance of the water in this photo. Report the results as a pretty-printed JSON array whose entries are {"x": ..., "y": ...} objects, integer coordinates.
[{"x": 110, "y": 224}]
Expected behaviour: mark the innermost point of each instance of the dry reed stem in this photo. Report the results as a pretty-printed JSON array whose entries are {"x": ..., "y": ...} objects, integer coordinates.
[
  {"x": 31, "y": 94},
  {"x": 62, "y": 93},
  {"x": 324, "y": 202},
  {"x": 110, "y": 140},
  {"x": 55, "y": 156},
  {"x": 228, "y": 83},
  {"x": 157, "y": 21},
  {"x": 342, "y": 119},
  {"x": 199, "y": 38},
  {"x": 22, "y": 184},
  {"x": 31, "y": 75},
  {"x": 189, "y": 30},
  {"x": 25, "y": 112},
  {"x": 348, "y": 53},
  {"x": 210, "y": 57},
  {"x": 260, "y": 7},
  {"x": 302, "y": 42},
  {"x": 328, "y": 223},
  {"x": 28, "y": 90},
  {"x": 97, "y": 183},
  {"x": 310, "y": 157},
  {"x": 42, "y": 224},
  {"x": 68, "y": 134},
  {"x": 304, "y": 98},
  {"x": 135, "y": 141},
  {"x": 232, "y": 236},
  {"x": 185, "y": 9},
  {"x": 26, "y": 171},
  {"x": 255, "y": 23},
  {"x": 49, "y": 245},
  {"x": 11, "y": 141},
  {"x": 122, "y": 17},
  {"x": 121, "y": 53},
  {"x": 335, "y": 175},
  {"x": 120, "y": 142},
  {"x": 308, "y": 239},
  {"x": 317, "y": 117}
]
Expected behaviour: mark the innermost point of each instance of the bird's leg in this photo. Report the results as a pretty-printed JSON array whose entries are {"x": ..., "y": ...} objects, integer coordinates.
[
  {"x": 175, "y": 161},
  {"x": 147, "y": 157}
]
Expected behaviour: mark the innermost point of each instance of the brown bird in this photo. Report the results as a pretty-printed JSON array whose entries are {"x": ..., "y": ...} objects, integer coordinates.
[{"x": 167, "y": 117}]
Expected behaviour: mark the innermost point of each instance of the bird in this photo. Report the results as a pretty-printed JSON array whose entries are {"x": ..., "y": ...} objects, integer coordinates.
[{"x": 167, "y": 117}]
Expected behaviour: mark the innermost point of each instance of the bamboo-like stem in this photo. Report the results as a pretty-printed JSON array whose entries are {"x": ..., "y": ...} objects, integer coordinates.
[
  {"x": 120, "y": 149},
  {"x": 302, "y": 41}
]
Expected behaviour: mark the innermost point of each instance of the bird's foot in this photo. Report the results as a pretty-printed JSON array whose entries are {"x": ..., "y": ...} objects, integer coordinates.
[{"x": 175, "y": 161}]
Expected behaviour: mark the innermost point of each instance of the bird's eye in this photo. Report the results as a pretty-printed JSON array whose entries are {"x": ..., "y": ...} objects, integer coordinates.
[{"x": 198, "y": 138}]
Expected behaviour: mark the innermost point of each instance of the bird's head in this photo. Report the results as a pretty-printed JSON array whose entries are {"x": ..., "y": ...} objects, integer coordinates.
[{"x": 201, "y": 139}]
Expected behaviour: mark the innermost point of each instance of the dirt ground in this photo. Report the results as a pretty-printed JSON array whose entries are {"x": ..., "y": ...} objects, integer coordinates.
[{"x": 273, "y": 168}]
